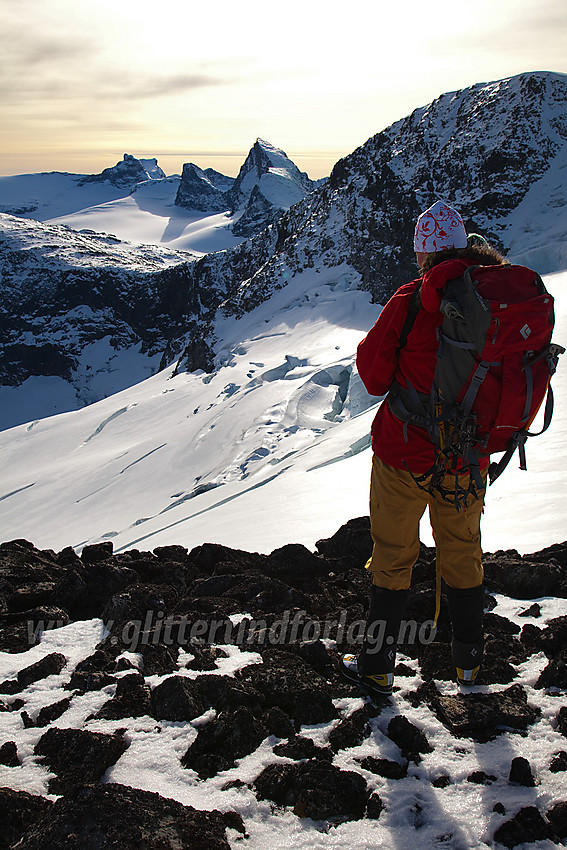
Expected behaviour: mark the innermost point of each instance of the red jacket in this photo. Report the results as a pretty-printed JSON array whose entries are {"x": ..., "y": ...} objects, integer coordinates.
[{"x": 378, "y": 365}]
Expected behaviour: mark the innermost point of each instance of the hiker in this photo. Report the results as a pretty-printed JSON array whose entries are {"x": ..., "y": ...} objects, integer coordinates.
[{"x": 403, "y": 454}]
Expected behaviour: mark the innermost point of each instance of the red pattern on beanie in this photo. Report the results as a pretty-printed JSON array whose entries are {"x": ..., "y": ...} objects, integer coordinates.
[{"x": 438, "y": 228}]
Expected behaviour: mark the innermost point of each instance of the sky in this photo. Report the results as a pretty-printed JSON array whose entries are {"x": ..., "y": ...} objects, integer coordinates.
[{"x": 81, "y": 83}]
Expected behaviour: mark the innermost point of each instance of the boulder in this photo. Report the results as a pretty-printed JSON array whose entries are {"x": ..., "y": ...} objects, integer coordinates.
[
  {"x": 77, "y": 756},
  {"x": 100, "y": 816}
]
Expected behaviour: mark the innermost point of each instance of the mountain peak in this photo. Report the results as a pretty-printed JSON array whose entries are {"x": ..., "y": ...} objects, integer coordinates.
[
  {"x": 268, "y": 184},
  {"x": 127, "y": 173}
]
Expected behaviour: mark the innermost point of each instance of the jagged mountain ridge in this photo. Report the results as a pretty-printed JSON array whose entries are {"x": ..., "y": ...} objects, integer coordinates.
[
  {"x": 268, "y": 184},
  {"x": 484, "y": 148},
  {"x": 127, "y": 173}
]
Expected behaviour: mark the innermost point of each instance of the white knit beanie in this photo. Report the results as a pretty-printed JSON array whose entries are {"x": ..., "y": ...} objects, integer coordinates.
[{"x": 438, "y": 228}]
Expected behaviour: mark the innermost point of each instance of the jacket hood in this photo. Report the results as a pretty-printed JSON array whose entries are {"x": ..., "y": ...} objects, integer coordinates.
[{"x": 434, "y": 281}]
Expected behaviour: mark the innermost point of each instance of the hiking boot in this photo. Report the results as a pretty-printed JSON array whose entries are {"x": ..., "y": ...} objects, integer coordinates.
[
  {"x": 467, "y": 658},
  {"x": 467, "y": 677},
  {"x": 466, "y": 608},
  {"x": 377, "y": 683}
]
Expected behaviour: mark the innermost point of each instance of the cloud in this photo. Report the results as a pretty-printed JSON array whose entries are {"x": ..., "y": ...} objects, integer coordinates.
[{"x": 145, "y": 87}]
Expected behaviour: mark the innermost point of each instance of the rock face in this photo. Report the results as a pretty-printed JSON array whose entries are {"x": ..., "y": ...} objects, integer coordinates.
[
  {"x": 483, "y": 148},
  {"x": 259, "y": 717},
  {"x": 268, "y": 184},
  {"x": 127, "y": 173},
  {"x": 199, "y": 190}
]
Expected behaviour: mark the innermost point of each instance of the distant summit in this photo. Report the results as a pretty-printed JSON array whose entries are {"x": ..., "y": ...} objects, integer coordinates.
[
  {"x": 204, "y": 191},
  {"x": 127, "y": 173},
  {"x": 268, "y": 184}
]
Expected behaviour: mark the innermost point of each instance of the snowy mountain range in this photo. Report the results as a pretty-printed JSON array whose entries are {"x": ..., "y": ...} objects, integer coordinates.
[{"x": 75, "y": 300}]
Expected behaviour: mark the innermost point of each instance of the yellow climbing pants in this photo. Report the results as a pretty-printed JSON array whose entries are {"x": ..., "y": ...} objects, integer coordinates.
[{"x": 397, "y": 504}]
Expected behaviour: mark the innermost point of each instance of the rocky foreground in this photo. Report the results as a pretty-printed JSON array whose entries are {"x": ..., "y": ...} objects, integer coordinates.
[{"x": 302, "y": 610}]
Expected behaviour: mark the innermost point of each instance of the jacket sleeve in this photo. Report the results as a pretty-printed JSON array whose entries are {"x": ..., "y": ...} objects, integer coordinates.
[{"x": 376, "y": 357}]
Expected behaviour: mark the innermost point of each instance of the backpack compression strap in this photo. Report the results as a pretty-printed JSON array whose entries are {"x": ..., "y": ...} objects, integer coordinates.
[
  {"x": 518, "y": 441},
  {"x": 414, "y": 307}
]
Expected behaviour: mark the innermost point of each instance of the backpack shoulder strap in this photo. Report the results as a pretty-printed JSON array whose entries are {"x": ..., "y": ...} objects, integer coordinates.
[{"x": 414, "y": 307}]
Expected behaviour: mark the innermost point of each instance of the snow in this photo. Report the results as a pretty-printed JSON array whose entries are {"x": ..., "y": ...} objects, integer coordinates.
[
  {"x": 461, "y": 815},
  {"x": 271, "y": 448},
  {"x": 265, "y": 451},
  {"x": 150, "y": 216}
]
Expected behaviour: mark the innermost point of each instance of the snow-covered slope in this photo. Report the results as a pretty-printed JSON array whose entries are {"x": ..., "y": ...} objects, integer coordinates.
[
  {"x": 270, "y": 448},
  {"x": 497, "y": 150}
]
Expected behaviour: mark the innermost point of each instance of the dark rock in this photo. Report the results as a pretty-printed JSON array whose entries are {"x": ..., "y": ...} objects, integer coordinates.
[
  {"x": 557, "y": 817},
  {"x": 495, "y": 624},
  {"x": 78, "y": 756},
  {"x": 524, "y": 578},
  {"x": 21, "y": 630},
  {"x": 555, "y": 674},
  {"x": 384, "y": 767},
  {"x": 49, "y": 665},
  {"x": 104, "y": 580},
  {"x": 285, "y": 680},
  {"x": 197, "y": 192},
  {"x": 10, "y": 686},
  {"x": 52, "y": 712},
  {"x": 480, "y": 777},
  {"x": 408, "y": 737},
  {"x": 441, "y": 781},
  {"x": 528, "y": 825},
  {"x": 295, "y": 565},
  {"x": 481, "y": 716},
  {"x": 350, "y": 732},
  {"x": 177, "y": 698},
  {"x": 558, "y": 762},
  {"x": 71, "y": 589},
  {"x": 24, "y": 598},
  {"x": 316, "y": 789},
  {"x": 315, "y": 653},
  {"x": 131, "y": 699},
  {"x": 302, "y": 748},
  {"x": 279, "y": 723},
  {"x": 102, "y": 660},
  {"x": 83, "y": 681},
  {"x": 67, "y": 557},
  {"x": 204, "y": 657},
  {"x": 352, "y": 540},
  {"x": 521, "y": 772},
  {"x": 209, "y": 555},
  {"x": 275, "y": 783},
  {"x": 145, "y": 604},
  {"x": 159, "y": 660},
  {"x": 97, "y": 552},
  {"x": 20, "y": 813},
  {"x": 126, "y": 173},
  {"x": 112, "y": 815},
  {"x": 219, "y": 743},
  {"x": 375, "y": 806},
  {"x": 499, "y": 808},
  {"x": 551, "y": 639},
  {"x": 9, "y": 754},
  {"x": 173, "y": 552},
  {"x": 533, "y": 611},
  {"x": 562, "y": 720},
  {"x": 324, "y": 791}
]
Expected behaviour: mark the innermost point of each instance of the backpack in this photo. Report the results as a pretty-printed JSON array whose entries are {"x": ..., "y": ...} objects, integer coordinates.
[{"x": 494, "y": 364}]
